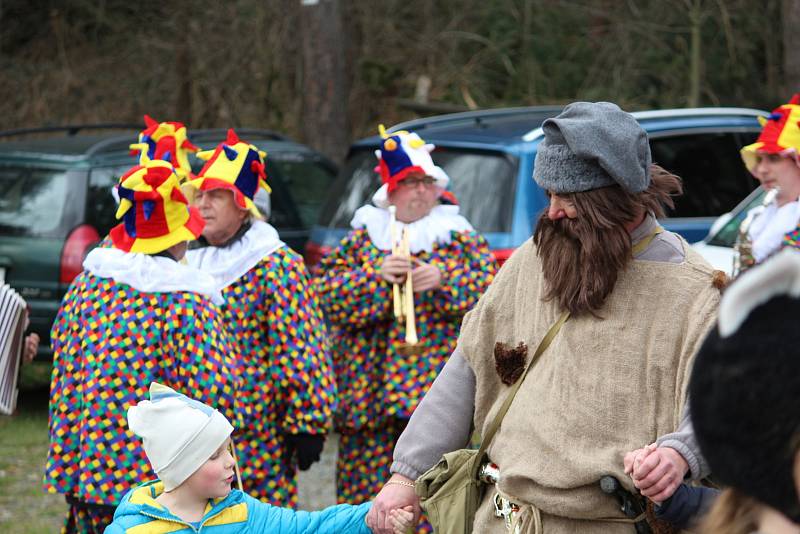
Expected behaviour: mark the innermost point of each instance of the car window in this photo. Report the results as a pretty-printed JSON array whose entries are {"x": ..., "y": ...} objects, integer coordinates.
[
  {"x": 38, "y": 202},
  {"x": 308, "y": 182},
  {"x": 726, "y": 236},
  {"x": 355, "y": 184},
  {"x": 283, "y": 210},
  {"x": 482, "y": 181},
  {"x": 714, "y": 178},
  {"x": 101, "y": 205}
]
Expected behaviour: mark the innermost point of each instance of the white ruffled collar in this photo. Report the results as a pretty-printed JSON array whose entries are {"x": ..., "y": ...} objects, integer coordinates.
[
  {"x": 150, "y": 274},
  {"x": 228, "y": 264},
  {"x": 770, "y": 227},
  {"x": 434, "y": 228}
]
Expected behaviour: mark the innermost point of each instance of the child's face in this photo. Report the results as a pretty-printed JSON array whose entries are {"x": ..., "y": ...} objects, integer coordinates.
[{"x": 213, "y": 479}]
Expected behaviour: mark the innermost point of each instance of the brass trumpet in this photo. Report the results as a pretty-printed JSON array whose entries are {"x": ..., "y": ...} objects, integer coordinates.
[{"x": 403, "y": 294}]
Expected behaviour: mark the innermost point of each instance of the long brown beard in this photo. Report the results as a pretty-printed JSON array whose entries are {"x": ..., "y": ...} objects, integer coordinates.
[
  {"x": 582, "y": 257},
  {"x": 581, "y": 261}
]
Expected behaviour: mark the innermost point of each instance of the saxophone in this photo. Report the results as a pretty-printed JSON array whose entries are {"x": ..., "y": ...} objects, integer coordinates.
[{"x": 743, "y": 257}]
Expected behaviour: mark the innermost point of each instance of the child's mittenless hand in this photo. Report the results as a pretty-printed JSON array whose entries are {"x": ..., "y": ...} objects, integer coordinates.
[{"x": 402, "y": 520}]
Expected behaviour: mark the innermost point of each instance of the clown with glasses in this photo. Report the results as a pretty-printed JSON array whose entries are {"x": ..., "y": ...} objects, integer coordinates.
[{"x": 450, "y": 266}]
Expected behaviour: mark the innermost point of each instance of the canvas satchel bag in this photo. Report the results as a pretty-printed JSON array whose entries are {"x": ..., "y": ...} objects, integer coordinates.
[{"x": 450, "y": 491}]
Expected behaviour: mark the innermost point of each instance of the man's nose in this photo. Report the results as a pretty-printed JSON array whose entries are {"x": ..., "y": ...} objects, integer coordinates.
[{"x": 555, "y": 211}]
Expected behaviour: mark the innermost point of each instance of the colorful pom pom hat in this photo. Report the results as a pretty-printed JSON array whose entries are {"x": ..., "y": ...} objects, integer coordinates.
[
  {"x": 402, "y": 154},
  {"x": 234, "y": 165},
  {"x": 780, "y": 134},
  {"x": 167, "y": 141},
  {"x": 155, "y": 214}
]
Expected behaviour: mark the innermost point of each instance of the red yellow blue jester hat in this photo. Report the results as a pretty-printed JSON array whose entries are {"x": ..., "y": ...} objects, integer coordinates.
[
  {"x": 780, "y": 134},
  {"x": 234, "y": 165},
  {"x": 167, "y": 141},
  {"x": 402, "y": 154},
  {"x": 155, "y": 214}
]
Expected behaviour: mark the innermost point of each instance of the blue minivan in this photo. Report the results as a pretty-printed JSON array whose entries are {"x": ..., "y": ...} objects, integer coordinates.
[{"x": 489, "y": 156}]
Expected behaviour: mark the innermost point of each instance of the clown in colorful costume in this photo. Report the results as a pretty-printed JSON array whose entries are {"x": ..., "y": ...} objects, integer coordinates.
[
  {"x": 378, "y": 386},
  {"x": 773, "y": 159},
  {"x": 271, "y": 309},
  {"x": 135, "y": 315}
]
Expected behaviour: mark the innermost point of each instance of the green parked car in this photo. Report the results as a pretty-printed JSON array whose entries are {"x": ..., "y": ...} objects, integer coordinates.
[{"x": 56, "y": 201}]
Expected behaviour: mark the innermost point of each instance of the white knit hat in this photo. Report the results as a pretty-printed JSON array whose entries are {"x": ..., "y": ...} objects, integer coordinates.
[{"x": 179, "y": 433}]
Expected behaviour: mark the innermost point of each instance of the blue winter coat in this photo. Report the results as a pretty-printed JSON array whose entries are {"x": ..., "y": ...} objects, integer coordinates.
[{"x": 238, "y": 513}]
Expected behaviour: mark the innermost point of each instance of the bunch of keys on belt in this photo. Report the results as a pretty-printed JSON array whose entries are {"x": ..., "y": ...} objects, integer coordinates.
[{"x": 505, "y": 509}]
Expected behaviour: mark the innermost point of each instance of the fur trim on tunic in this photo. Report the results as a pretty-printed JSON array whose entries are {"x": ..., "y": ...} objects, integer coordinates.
[{"x": 510, "y": 361}]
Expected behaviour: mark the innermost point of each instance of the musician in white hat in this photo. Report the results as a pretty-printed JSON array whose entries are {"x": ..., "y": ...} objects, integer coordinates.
[{"x": 449, "y": 265}]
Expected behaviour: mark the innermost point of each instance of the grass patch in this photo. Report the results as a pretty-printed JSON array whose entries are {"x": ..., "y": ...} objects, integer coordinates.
[{"x": 25, "y": 508}]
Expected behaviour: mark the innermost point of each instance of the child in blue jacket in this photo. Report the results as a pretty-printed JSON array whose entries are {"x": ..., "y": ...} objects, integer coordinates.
[{"x": 188, "y": 445}]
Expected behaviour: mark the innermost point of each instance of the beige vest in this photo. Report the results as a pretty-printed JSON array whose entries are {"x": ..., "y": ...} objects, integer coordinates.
[{"x": 603, "y": 388}]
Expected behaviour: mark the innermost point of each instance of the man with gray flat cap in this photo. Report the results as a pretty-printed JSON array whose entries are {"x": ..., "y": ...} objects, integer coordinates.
[{"x": 616, "y": 307}]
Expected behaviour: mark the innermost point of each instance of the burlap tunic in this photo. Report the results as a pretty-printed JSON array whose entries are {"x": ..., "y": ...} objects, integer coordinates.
[{"x": 605, "y": 386}]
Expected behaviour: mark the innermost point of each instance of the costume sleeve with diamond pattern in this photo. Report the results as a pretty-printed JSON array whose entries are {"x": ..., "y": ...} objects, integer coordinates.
[
  {"x": 466, "y": 273},
  {"x": 299, "y": 346},
  {"x": 352, "y": 292}
]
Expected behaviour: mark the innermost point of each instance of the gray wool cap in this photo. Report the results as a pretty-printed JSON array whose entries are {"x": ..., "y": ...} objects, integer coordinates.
[{"x": 591, "y": 145}]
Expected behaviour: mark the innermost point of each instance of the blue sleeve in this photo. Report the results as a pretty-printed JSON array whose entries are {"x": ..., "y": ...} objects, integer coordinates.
[
  {"x": 686, "y": 506},
  {"x": 339, "y": 519},
  {"x": 114, "y": 528}
]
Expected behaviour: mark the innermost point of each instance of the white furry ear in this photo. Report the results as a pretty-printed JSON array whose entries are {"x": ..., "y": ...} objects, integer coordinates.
[{"x": 780, "y": 275}]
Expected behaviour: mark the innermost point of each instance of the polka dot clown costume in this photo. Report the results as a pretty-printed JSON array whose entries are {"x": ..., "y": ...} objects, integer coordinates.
[
  {"x": 134, "y": 315},
  {"x": 165, "y": 141},
  {"x": 273, "y": 313},
  {"x": 775, "y": 225},
  {"x": 379, "y": 387}
]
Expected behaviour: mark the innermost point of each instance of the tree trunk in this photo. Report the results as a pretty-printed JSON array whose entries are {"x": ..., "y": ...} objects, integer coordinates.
[
  {"x": 324, "y": 86},
  {"x": 791, "y": 46},
  {"x": 183, "y": 72},
  {"x": 695, "y": 23}
]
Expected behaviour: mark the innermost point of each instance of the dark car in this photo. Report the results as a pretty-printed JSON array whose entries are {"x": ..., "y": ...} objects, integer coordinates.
[
  {"x": 489, "y": 156},
  {"x": 56, "y": 202}
]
